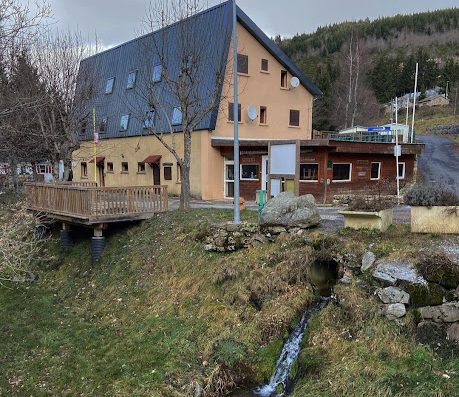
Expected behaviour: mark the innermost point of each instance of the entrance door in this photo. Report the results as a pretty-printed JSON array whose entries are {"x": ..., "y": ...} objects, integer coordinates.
[
  {"x": 229, "y": 178},
  {"x": 156, "y": 174},
  {"x": 101, "y": 169},
  {"x": 264, "y": 173}
]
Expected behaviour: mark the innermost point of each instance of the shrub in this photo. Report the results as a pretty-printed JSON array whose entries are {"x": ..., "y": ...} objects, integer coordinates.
[{"x": 431, "y": 194}]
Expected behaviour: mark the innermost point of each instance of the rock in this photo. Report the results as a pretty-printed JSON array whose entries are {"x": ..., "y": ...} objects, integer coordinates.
[
  {"x": 346, "y": 279},
  {"x": 367, "y": 261},
  {"x": 392, "y": 272},
  {"x": 209, "y": 247},
  {"x": 446, "y": 313},
  {"x": 453, "y": 332},
  {"x": 288, "y": 210},
  {"x": 393, "y": 311},
  {"x": 275, "y": 230},
  {"x": 393, "y": 295}
]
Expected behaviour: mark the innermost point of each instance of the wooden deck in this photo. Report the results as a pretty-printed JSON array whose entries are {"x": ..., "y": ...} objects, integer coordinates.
[{"x": 85, "y": 203}]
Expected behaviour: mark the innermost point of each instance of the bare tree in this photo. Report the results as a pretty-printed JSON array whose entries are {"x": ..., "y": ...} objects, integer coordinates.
[
  {"x": 58, "y": 58},
  {"x": 354, "y": 100},
  {"x": 191, "y": 73}
]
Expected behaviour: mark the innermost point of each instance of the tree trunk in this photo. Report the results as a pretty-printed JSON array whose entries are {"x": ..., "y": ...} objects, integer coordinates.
[{"x": 185, "y": 168}]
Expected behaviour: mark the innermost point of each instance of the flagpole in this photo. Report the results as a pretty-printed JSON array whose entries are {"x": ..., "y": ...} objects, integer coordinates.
[
  {"x": 414, "y": 101},
  {"x": 237, "y": 215},
  {"x": 397, "y": 150},
  {"x": 94, "y": 143}
]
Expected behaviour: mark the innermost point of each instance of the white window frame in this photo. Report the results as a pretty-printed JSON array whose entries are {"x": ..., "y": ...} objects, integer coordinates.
[
  {"x": 250, "y": 179},
  {"x": 401, "y": 163},
  {"x": 313, "y": 180},
  {"x": 379, "y": 170},
  {"x": 343, "y": 180},
  {"x": 225, "y": 180},
  {"x": 112, "y": 86}
]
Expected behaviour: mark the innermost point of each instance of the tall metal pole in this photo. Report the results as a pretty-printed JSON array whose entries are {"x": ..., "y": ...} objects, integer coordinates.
[
  {"x": 414, "y": 101},
  {"x": 397, "y": 150},
  {"x": 237, "y": 214}
]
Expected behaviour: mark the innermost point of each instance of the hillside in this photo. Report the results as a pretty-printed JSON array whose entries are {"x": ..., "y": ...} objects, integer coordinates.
[
  {"x": 159, "y": 315},
  {"x": 384, "y": 54}
]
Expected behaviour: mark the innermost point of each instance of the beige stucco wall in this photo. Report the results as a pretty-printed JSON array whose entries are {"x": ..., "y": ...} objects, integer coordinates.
[
  {"x": 137, "y": 149},
  {"x": 264, "y": 89}
]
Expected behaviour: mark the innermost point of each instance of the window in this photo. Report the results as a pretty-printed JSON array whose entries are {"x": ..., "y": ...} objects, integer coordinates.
[
  {"x": 109, "y": 85},
  {"x": 179, "y": 173},
  {"x": 103, "y": 125},
  {"x": 264, "y": 65},
  {"x": 375, "y": 171},
  {"x": 263, "y": 115},
  {"x": 149, "y": 119},
  {"x": 294, "y": 118},
  {"x": 177, "y": 116},
  {"x": 284, "y": 79},
  {"x": 249, "y": 171},
  {"x": 84, "y": 169},
  {"x": 231, "y": 112},
  {"x": 168, "y": 172},
  {"x": 401, "y": 170},
  {"x": 342, "y": 172},
  {"x": 156, "y": 74},
  {"x": 84, "y": 126},
  {"x": 124, "y": 167},
  {"x": 242, "y": 64},
  {"x": 124, "y": 123},
  {"x": 132, "y": 77},
  {"x": 110, "y": 167},
  {"x": 141, "y": 168},
  {"x": 309, "y": 172}
]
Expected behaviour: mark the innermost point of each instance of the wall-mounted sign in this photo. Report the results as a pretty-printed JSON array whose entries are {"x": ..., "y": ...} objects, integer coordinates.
[{"x": 330, "y": 164}]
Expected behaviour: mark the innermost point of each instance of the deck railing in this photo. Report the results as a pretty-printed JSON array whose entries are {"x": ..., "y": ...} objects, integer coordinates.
[{"x": 96, "y": 203}]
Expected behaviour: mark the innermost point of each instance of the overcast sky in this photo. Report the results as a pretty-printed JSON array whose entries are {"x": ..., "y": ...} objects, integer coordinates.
[{"x": 116, "y": 21}]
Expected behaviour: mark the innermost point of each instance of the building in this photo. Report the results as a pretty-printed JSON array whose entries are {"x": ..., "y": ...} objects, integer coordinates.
[
  {"x": 271, "y": 87},
  {"x": 129, "y": 157}
]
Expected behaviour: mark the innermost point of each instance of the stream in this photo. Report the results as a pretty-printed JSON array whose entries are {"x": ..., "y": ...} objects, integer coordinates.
[{"x": 277, "y": 385}]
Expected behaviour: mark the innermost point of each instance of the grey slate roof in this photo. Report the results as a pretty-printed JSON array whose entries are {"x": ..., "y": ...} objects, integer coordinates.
[{"x": 212, "y": 27}]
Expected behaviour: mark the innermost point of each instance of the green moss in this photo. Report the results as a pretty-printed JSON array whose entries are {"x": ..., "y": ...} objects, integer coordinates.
[
  {"x": 439, "y": 268},
  {"x": 265, "y": 360},
  {"x": 427, "y": 295}
]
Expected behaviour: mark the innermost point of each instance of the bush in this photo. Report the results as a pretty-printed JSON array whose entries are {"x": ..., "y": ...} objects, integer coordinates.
[{"x": 430, "y": 195}]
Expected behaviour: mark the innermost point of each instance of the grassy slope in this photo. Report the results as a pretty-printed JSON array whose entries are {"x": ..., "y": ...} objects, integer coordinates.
[{"x": 146, "y": 320}]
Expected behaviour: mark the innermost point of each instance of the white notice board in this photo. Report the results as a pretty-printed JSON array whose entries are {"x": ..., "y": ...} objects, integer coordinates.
[{"x": 283, "y": 159}]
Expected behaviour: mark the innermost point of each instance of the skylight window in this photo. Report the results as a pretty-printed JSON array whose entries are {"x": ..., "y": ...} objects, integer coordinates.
[
  {"x": 132, "y": 77},
  {"x": 157, "y": 73},
  {"x": 177, "y": 116},
  {"x": 124, "y": 122},
  {"x": 109, "y": 85},
  {"x": 149, "y": 118}
]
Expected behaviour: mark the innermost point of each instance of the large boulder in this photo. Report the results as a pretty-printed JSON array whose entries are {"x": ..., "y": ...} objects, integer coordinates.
[
  {"x": 368, "y": 260},
  {"x": 288, "y": 210},
  {"x": 393, "y": 272},
  {"x": 394, "y": 310}
]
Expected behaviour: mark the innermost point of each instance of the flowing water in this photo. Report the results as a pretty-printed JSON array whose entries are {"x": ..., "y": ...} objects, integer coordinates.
[{"x": 278, "y": 382}]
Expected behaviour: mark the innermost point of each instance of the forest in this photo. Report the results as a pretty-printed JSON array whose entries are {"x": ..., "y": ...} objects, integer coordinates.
[{"x": 362, "y": 65}]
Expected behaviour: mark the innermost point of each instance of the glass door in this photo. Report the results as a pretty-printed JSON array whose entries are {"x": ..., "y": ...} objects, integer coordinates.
[{"x": 229, "y": 178}]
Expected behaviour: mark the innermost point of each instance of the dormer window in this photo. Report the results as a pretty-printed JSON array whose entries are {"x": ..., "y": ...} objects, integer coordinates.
[
  {"x": 103, "y": 125},
  {"x": 149, "y": 118},
  {"x": 109, "y": 85}
]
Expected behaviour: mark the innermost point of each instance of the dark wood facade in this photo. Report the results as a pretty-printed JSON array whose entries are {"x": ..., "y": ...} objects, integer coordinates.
[{"x": 326, "y": 154}]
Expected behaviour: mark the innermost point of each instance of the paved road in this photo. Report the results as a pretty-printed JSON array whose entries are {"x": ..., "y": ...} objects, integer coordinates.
[{"x": 440, "y": 161}]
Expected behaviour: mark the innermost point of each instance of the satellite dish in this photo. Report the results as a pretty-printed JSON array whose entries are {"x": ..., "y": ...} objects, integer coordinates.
[
  {"x": 295, "y": 82},
  {"x": 252, "y": 112}
]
